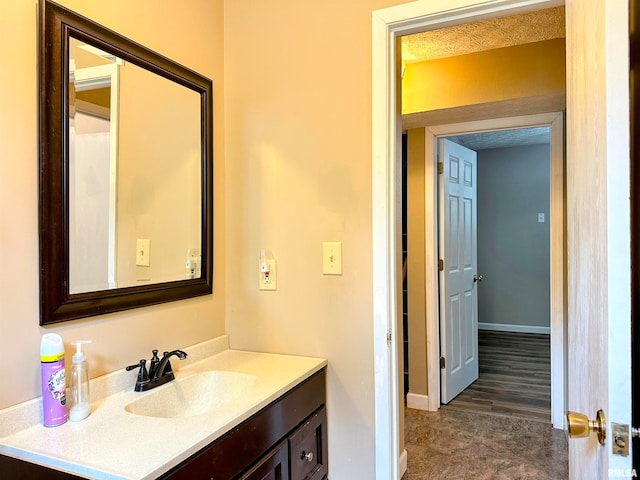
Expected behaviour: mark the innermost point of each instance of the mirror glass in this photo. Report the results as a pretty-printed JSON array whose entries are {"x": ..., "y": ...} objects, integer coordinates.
[
  {"x": 125, "y": 172},
  {"x": 134, "y": 204}
]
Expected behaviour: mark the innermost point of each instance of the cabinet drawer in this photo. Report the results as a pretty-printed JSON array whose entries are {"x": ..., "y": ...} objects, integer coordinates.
[
  {"x": 308, "y": 448},
  {"x": 274, "y": 466}
]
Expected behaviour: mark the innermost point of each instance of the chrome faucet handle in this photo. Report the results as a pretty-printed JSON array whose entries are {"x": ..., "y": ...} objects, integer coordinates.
[{"x": 143, "y": 376}]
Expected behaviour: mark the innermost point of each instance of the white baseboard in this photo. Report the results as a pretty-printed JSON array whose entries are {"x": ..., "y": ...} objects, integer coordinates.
[
  {"x": 402, "y": 464},
  {"x": 417, "y": 401},
  {"x": 502, "y": 327}
]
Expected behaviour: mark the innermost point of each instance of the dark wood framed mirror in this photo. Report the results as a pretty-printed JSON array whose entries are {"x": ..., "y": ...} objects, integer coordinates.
[{"x": 125, "y": 172}]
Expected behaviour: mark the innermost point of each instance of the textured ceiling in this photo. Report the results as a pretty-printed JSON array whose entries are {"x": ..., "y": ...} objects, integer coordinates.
[
  {"x": 484, "y": 35},
  {"x": 503, "y": 138}
]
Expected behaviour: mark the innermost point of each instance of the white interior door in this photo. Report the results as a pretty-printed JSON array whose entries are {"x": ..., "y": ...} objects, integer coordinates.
[
  {"x": 598, "y": 230},
  {"x": 458, "y": 288}
]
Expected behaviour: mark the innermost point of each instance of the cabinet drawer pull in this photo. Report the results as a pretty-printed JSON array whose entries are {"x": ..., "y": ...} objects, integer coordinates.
[{"x": 306, "y": 456}]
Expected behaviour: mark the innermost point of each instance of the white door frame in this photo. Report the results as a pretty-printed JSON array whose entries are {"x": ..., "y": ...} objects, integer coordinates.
[
  {"x": 387, "y": 25},
  {"x": 557, "y": 293}
]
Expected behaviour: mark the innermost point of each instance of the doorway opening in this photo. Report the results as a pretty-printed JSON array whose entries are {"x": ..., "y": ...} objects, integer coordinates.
[
  {"x": 496, "y": 340},
  {"x": 513, "y": 247},
  {"x": 556, "y": 263},
  {"x": 427, "y": 279},
  {"x": 387, "y": 24},
  {"x": 598, "y": 141}
]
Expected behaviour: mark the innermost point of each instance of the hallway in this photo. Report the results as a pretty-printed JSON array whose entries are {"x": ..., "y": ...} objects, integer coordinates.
[
  {"x": 499, "y": 427},
  {"x": 453, "y": 444}
]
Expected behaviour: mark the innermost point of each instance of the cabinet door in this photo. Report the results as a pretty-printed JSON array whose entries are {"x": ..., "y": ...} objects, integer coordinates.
[
  {"x": 273, "y": 466},
  {"x": 308, "y": 448}
]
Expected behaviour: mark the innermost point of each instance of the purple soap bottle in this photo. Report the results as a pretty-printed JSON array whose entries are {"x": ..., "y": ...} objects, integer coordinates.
[{"x": 54, "y": 387}]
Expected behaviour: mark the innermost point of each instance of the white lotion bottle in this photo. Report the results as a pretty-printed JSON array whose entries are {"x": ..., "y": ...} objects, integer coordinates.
[{"x": 78, "y": 393}]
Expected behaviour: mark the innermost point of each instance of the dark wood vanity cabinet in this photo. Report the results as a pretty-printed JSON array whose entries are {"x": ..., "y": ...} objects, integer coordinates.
[
  {"x": 308, "y": 448},
  {"x": 15, "y": 469},
  {"x": 286, "y": 440},
  {"x": 301, "y": 456}
]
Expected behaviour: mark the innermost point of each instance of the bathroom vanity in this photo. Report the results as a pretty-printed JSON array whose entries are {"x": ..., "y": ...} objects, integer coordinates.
[
  {"x": 287, "y": 438},
  {"x": 269, "y": 423}
]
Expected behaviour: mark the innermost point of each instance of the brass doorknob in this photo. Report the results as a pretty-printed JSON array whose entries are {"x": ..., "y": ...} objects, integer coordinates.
[{"x": 579, "y": 425}]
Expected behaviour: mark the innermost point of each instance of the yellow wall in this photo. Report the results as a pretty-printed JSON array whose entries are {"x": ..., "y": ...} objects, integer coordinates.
[
  {"x": 191, "y": 35},
  {"x": 493, "y": 75}
]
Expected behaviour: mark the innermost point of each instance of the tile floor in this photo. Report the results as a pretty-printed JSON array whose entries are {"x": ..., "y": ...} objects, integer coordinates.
[{"x": 453, "y": 444}]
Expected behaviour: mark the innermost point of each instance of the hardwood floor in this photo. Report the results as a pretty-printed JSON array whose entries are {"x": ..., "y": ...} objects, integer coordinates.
[{"x": 515, "y": 377}]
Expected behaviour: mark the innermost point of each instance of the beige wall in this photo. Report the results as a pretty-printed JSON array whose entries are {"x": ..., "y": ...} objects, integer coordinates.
[
  {"x": 192, "y": 35},
  {"x": 298, "y": 123},
  {"x": 505, "y": 73}
]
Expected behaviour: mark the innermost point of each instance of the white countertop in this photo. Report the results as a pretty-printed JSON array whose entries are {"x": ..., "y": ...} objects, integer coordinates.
[{"x": 112, "y": 443}]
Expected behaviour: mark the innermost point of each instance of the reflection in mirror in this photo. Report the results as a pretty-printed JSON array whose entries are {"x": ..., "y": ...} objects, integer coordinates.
[
  {"x": 126, "y": 184},
  {"x": 124, "y": 187},
  {"x": 93, "y": 121}
]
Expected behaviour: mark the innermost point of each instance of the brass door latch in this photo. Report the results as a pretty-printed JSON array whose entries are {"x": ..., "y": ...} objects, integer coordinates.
[
  {"x": 620, "y": 444},
  {"x": 579, "y": 425}
]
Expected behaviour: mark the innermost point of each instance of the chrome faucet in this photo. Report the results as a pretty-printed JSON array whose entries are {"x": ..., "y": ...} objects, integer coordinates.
[{"x": 160, "y": 371}]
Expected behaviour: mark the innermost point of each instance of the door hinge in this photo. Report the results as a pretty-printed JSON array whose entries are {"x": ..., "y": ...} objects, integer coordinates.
[
  {"x": 389, "y": 337},
  {"x": 442, "y": 362},
  {"x": 440, "y": 265},
  {"x": 440, "y": 168}
]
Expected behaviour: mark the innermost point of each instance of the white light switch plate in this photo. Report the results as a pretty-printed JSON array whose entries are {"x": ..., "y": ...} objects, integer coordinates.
[
  {"x": 143, "y": 250},
  {"x": 332, "y": 258}
]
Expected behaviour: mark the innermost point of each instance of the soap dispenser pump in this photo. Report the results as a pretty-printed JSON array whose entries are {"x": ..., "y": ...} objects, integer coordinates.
[{"x": 78, "y": 394}]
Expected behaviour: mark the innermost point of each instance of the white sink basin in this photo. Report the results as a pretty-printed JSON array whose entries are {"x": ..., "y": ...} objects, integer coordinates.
[{"x": 194, "y": 395}]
